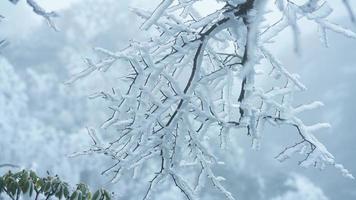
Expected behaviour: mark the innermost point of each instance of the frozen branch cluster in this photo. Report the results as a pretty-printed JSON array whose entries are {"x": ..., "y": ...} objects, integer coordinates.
[{"x": 198, "y": 77}]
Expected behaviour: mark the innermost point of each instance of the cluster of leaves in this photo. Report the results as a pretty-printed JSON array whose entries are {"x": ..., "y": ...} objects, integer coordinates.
[{"x": 27, "y": 183}]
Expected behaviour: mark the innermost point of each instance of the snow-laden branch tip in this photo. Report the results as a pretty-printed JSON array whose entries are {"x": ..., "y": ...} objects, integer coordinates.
[
  {"x": 36, "y": 8},
  {"x": 157, "y": 14},
  {"x": 48, "y": 16}
]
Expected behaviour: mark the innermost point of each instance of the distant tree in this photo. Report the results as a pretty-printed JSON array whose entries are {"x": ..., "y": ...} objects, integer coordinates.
[
  {"x": 201, "y": 78},
  {"x": 38, "y": 134},
  {"x": 28, "y": 141}
]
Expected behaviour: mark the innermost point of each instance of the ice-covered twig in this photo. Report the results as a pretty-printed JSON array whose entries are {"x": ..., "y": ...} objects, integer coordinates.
[
  {"x": 48, "y": 16},
  {"x": 45, "y": 14},
  {"x": 157, "y": 14}
]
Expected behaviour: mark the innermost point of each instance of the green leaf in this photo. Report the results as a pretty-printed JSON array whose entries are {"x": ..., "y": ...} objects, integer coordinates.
[
  {"x": 85, "y": 190},
  {"x": 13, "y": 187},
  {"x": 65, "y": 190},
  {"x": 82, "y": 187},
  {"x": 31, "y": 188},
  {"x": 97, "y": 195},
  {"x": 2, "y": 184},
  {"x": 9, "y": 180},
  {"x": 55, "y": 186},
  {"x": 33, "y": 175},
  {"x": 88, "y": 196},
  {"x": 24, "y": 175},
  {"x": 80, "y": 195},
  {"x": 74, "y": 196},
  {"x": 60, "y": 192},
  {"x": 107, "y": 195},
  {"x": 47, "y": 187},
  {"x": 39, "y": 184},
  {"x": 25, "y": 185}
]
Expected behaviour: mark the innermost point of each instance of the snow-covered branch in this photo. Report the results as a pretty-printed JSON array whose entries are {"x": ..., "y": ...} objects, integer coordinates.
[
  {"x": 197, "y": 78},
  {"x": 48, "y": 16}
]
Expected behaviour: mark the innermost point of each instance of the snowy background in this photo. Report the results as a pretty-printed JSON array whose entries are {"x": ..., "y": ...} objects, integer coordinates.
[{"x": 42, "y": 120}]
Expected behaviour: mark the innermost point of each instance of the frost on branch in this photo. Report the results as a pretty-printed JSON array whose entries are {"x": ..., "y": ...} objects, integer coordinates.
[
  {"x": 48, "y": 16},
  {"x": 197, "y": 77}
]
